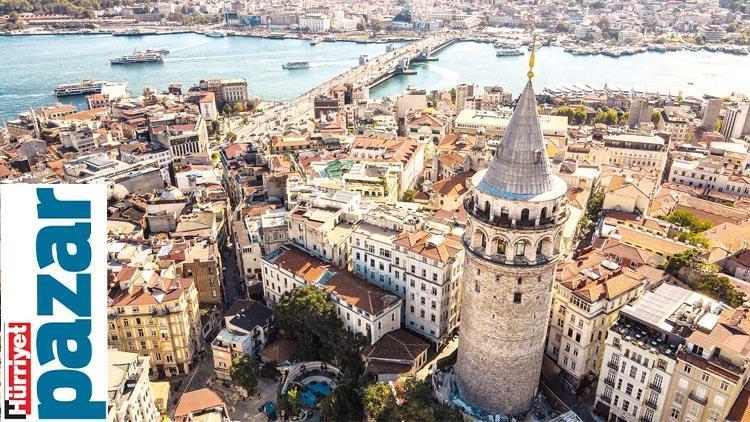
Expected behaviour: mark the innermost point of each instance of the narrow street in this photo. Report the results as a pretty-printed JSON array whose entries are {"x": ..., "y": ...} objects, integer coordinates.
[{"x": 233, "y": 288}]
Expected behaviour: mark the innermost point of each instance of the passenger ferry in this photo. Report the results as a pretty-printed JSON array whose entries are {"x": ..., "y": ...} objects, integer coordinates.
[
  {"x": 316, "y": 41},
  {"x": 163, "y": 51},
  {"x": 295, "y": 65},
  {"x": 508, "y": 52},
  {"x": 87, "y": 86},
  {"x": 138, "y": 57}
]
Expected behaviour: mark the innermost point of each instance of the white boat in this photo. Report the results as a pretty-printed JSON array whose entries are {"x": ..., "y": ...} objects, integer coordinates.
[
  {"x": 163, "y": 51},
  {"x": 216, "y": 34},
  {"x": 295, "y": 65},
  {"x": 506, "y": 52},
  {"x": 316, "y": 41},
  {"x": 138, "y": 57},
  {"x": 87, "y": 86}
]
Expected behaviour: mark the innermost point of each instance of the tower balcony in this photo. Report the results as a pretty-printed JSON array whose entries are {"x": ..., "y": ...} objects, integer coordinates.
[
  {"x": 516, "y": 261},
  {"x": 505, "y": 221}
]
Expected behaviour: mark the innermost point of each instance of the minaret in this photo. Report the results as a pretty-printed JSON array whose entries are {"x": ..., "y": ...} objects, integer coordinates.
[{"x": 516, "y": 210}]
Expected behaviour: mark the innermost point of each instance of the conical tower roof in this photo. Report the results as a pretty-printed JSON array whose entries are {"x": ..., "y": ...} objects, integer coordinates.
[{"x": 520, "y": 170}]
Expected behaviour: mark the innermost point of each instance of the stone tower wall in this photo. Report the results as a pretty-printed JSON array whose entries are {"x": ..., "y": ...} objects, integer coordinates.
[{"x": 502, "y": 342}]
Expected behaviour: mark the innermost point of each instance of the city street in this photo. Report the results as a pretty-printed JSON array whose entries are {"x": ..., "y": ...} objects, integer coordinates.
[{"x": 233, "y": 287}]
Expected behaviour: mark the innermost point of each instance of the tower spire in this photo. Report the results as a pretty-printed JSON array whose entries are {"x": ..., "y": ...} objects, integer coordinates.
[{"x": 530, "y": 74}]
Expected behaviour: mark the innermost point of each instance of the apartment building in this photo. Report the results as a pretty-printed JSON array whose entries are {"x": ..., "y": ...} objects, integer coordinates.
[
  {"x": 736, "y": 121},
  {"x": 315, "y": 22},
  {"x": 588, "y": 294},
  {"x": 157, "y": 317},
  {"x": 677, "y": 123},
  {"x": 636, "y": 151},
  {"x": 322, "y": 226},
  {"x": 247, "y": 326},
  {"x": 711, "y": 173},
  {"x": 259, "y": 233},
  {"x": 406, "y": 155},
  {"x": 421, "y": 267},
  {"x": 362, "y": 307},
  {"x": 642, "y": 354},
  {"x": 203, "y": 264},
  {"x": 129, "y": 395},
  {"x": 712, "y": 366}
]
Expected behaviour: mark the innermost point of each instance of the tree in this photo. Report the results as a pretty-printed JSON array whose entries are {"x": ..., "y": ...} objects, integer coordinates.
[
  {"x": 675, "y": 262},
  {"x": 244, "y": 372},
  {"x": 721, "y": 288},
  {"x": 687, "y": 220},
  {"x": 239, "y": 107},
  {"x": 453, "y": 94},
  {"x": 378, "y": 399},
  {"x": 215, "y": 126},
  {"x": 409, "y": 195},
  {"x": 231, "y": 137},
  {"x": 594, "y": 206},
  {"x": 655, "y": 117},
  {"x": 227, "y": 109},
  {"x": 294, "y": 398}
]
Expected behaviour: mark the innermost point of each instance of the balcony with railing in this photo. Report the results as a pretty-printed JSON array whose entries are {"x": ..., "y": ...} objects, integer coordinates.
[
  {"x": 652, "y": 404},
  {"x": 505, "y": 221},
  {"x": 614, "y": 364},
  {"x": 610, "y": 381},
  {"x": 696, "y": 398},
  {"x": 605, "y": 398},
  {"x": 654, "y": 386}
]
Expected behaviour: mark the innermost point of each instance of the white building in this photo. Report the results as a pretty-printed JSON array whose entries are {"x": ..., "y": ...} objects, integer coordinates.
[
  {"x": 129, "y": 396},
  {"x": 736, "y": 121},
  {"x": 422, "y": 268},
  {"x": 363, "y": 308},
  {"x": 710, "y": 174},
  {"x": 625, "y": 151},
  {"x": 641, "y": 354},
  {"x": 315, "y": 22}
]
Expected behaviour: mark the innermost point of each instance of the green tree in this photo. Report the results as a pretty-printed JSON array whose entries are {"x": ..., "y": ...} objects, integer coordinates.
[
  {"x": 408, "y": 195},
  {"x": 655, "y": 117},
  {"x": 231, "y": 137},
  {"x": 676, "y": 262},
  {"x": 295, "y": 400},
  {"x": 239, "y": 107},
  {"x": 244, "y": 372},
  {"x": 687, "y": 220},
  {"x": 719, "y": 124},
  {"x": 227, "y": 109},
  {"x": 594, "y": 206},
  {"x": 378, "y": 399},
  {"x": 453, "y": 94},
  {"x": 722, "y": 289}
]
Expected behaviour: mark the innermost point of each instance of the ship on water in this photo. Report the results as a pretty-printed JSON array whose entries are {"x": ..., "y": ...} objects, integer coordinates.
[
  {"x": 161, "y": 50},
  {"x": 138, "y": 57},
  {"x": 316, "y": 41},
  {"x": 506, "y": 52},
  {"x": 133, "y": 33},
  {"x": 87, "y": 86},
  {"x": 216, "y": 34},
  {"x": 295, "y": 65}
]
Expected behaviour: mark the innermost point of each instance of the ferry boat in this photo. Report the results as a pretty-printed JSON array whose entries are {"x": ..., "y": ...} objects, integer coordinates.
[
  {"x": 295, "y": 65},
  {"x": 133, "y": 33},
  {"x": 316, "y": 41},
  {"x": 87, "y": 86},
  {"x": 138, "y": 57},
  {"x": 216, "y": 34},
  {"x": 508, "y": 52},
  {"x": 505, "y": 44},
  {"x": 161, "y": 50}
]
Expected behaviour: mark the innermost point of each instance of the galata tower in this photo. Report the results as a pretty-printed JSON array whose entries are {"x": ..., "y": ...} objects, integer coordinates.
[{"x": 516, "y": 210}]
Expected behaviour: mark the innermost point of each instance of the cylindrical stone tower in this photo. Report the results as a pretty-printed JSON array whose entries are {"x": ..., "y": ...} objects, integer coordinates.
[{"x": 516, "y": 209}]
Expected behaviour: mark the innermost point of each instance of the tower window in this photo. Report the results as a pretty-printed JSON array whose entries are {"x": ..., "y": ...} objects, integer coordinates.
[
  {"x": 516, "y": 297},
  {"x": 521, "y": 248},
  {"x": 537, "y": 156},
  {"x": 476, "y": 287},
  {"x": 525, "y": 214},
  {"x": 501, "y": 246},
  {"x": 519, "y": 280}
]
